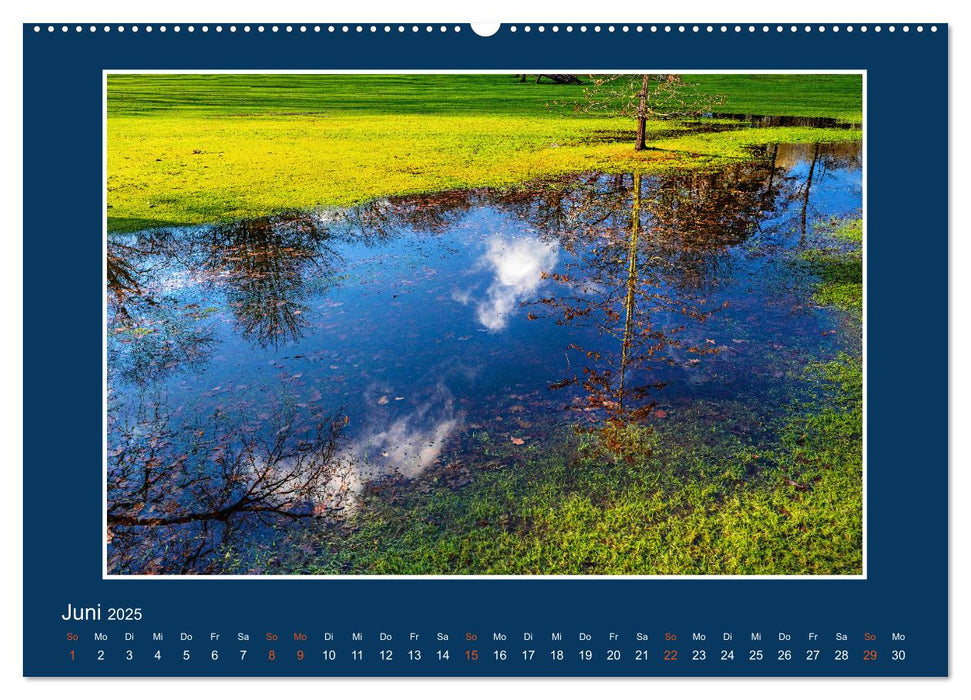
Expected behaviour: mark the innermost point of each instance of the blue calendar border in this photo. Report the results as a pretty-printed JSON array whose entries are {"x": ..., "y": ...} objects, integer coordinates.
[{"x": 906, "y": 585}]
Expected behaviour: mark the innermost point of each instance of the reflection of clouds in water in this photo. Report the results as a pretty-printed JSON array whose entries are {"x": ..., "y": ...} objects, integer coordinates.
[
  {"x": 407, "y": 445},
  {"x": 518, "y": 265},
  {"x": 462, "y": 296}
]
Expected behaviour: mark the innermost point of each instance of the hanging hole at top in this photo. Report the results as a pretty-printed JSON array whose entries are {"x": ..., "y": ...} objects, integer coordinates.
[{"x": 485, "y": 28}]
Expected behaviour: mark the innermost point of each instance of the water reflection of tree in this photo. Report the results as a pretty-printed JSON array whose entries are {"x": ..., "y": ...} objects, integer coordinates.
[
  {"x": 152, "y": 334},
  {"x": 822, "y": 161},
  {"x": 122, "y": 273},
  {"x": 182, "y": 490},
  {"x": 183, "y": 493},
  {"x": 263, "y": 266},
  {"x": 431, "y": 213},
  {"x": 695, "y": 217},
  {"x": 644, "y": 255}
]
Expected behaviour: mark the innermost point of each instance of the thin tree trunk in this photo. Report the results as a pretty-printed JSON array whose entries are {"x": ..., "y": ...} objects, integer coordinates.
[
  {"x": 642, "y": 114},
  {"x": 775, "y": 154},
  {"x": 805, "y": 196},
  {"x": 635, "y": 229}
]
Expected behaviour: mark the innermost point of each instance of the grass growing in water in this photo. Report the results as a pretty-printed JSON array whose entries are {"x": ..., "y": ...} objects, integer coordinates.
[
  {"x": 838, "y": 260},
  {"x": 684, "y": 499}
]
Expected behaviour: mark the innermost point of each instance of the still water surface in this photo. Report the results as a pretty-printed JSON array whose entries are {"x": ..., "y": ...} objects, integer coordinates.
[{"x": 413, "y": 326}]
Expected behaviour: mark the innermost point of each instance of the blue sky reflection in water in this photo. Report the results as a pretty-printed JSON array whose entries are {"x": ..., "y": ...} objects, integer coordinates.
[{"x": 407, "y": 326}]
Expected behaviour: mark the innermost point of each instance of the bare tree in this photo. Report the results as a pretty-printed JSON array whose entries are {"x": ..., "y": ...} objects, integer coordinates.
[{"x": 646, "y": 96}]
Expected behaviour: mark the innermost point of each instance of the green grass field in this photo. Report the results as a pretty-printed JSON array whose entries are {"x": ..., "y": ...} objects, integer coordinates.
[
  {"x": 834, "y": 95},
  {"x": 188, "y": 149}
]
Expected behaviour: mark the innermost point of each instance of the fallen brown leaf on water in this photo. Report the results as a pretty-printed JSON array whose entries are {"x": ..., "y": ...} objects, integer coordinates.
[{"x": 383, "y": 400}]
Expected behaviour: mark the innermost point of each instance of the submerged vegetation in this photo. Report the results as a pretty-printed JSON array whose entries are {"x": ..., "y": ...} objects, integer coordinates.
[
  {"x": 838, "y": 260},
  {"x": 686, "y": 497}
]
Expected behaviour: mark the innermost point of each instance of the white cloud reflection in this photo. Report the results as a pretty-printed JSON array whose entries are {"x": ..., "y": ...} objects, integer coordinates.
[
  {"x": 410, "y": 445},
  {"x": 407, "y": 445},
  {"x": 517, "y": 265}
]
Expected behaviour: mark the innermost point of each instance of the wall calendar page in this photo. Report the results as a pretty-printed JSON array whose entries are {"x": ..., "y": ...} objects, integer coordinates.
[{"x": 529, "y": 350}]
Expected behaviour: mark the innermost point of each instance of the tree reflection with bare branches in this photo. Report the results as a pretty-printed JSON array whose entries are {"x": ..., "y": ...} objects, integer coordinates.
[
  {"x": 658, "y": 248},
  {"x": 153, "y": 334},
  {"x": 264, "y": 265},
  {"x": 183, "y": 492}
]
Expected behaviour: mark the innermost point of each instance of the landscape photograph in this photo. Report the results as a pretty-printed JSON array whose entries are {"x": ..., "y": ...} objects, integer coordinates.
[{"x": 484, "y": 324}]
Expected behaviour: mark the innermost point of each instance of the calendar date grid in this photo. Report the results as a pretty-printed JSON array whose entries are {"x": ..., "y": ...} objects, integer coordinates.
[{"x": 333, "y": 652}]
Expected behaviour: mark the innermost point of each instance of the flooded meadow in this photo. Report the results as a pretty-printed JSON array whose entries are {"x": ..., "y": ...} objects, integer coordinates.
[{"x": 277, "y": 385}]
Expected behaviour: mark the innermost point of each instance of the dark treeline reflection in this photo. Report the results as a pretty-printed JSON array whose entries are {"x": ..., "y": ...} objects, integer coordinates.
[{"x": 767, "y": 121}]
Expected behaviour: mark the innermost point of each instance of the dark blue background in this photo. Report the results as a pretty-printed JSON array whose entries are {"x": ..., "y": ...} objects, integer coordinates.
[{"x": 906, "y": 588}]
